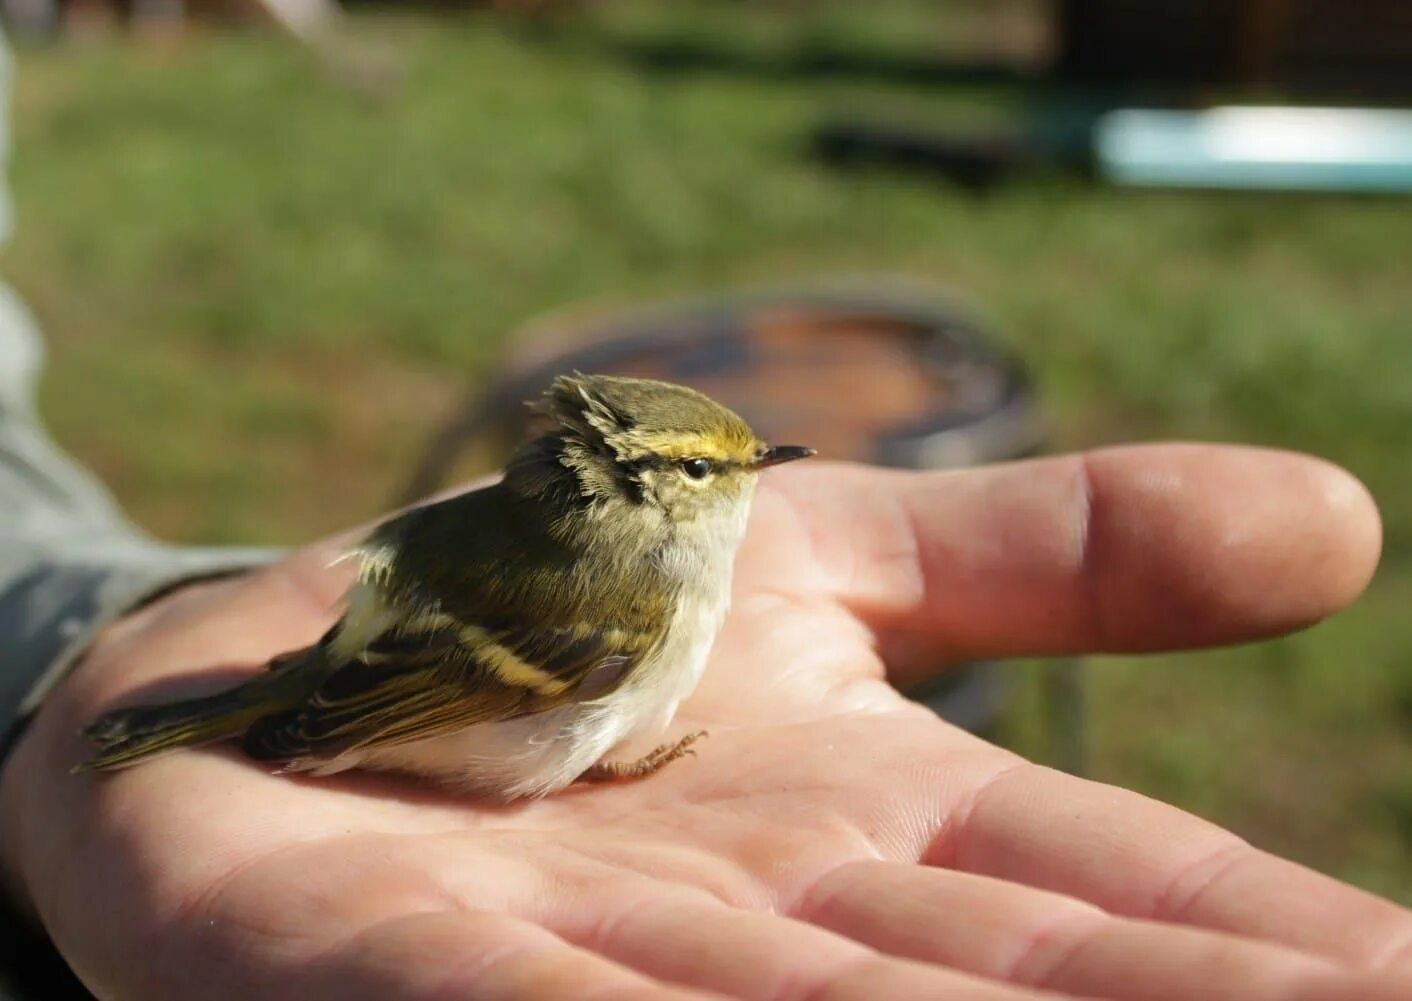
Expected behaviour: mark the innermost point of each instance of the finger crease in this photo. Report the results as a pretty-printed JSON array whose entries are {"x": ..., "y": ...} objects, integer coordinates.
[
  {"x": 1087, "y": 508},
  {"x": 600, "y": 937},
  {"x": 1393, "y": 952},
  {"x": 198, "y": 909},
  {"x": 812, "y": 906},
  {"x": 945, "y": 849},
  {"x": 1178, "y": 900},
  {"x": 464, "y": 977},
  {"x": 1042, "y": 959},
  {"x": 910, "y": 555},
  {"x": 816, "y": 983},
  {"x": 359, "y": 940}
]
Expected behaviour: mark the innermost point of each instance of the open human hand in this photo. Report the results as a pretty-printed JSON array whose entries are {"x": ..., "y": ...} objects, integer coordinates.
[{"x": 832, "y": 840}]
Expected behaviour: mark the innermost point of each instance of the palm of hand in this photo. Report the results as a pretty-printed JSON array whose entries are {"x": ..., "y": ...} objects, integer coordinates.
[{"x": 831, "y": 839}]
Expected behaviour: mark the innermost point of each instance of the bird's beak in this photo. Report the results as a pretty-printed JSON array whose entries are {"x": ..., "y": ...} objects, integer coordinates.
[{"x": 776, "y": 454}]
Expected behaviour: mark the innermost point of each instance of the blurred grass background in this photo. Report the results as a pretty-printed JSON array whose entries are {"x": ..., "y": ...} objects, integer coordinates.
[{"x": 263, "y": 292}]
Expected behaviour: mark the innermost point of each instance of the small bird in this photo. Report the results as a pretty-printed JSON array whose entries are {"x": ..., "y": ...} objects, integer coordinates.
[{"x": 504, "y": 640}]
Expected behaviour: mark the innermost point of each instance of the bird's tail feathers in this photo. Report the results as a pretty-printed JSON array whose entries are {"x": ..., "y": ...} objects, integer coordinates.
[{"x": 127, "y": 736}]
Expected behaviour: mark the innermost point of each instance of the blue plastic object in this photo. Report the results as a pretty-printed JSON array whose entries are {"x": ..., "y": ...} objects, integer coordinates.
[{"x": 1258, "y": 148}]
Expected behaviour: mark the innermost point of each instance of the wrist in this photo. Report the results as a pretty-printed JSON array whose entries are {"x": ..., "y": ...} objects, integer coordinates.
[{"x": 35, "y": 770}]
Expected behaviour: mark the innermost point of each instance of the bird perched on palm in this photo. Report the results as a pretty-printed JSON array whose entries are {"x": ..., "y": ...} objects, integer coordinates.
[{"x": 506, "y": 639}]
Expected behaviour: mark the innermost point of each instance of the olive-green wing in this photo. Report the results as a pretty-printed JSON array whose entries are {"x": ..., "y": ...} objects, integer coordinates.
[{"x": 408, "y": 686}]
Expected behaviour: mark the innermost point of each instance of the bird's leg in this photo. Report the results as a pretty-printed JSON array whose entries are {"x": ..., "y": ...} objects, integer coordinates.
[{"x": 613, "y": 771}]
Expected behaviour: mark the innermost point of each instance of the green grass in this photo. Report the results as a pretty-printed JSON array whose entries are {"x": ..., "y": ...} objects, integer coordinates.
[{"x": 262, "y": 291}]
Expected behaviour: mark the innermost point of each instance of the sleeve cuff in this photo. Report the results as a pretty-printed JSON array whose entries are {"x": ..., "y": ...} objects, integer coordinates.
[{"x": 51, "y": 613}]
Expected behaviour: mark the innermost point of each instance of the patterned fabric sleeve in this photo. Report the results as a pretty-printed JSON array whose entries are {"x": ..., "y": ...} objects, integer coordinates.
[{"x": 70, "y": 562}]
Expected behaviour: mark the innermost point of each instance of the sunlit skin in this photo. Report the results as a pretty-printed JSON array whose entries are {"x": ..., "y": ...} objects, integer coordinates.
[{"x": 837, "y": 841}]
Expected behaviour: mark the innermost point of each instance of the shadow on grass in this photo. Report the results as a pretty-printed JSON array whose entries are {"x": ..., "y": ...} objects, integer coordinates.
[{"x": 808, "y": 59}]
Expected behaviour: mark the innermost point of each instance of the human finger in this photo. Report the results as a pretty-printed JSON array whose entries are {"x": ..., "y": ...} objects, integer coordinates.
[
  {"x": 1134, "y": 856},
  {"x": 747, "y": 954},
  {"x": 1136, "y": 548},
  {"x": 1035, "y": 938},
  {"x": 454, "y": 954}
]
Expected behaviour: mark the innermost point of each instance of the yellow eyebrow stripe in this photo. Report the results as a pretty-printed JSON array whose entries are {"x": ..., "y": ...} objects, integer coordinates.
[{"x": 687, "y": 446}]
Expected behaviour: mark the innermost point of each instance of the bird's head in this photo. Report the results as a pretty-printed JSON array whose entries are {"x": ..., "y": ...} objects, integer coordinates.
[{"x": 655, "y": 445}]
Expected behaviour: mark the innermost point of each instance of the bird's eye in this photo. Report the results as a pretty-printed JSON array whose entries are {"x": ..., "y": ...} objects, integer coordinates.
[{"x": 697, "y": 469}]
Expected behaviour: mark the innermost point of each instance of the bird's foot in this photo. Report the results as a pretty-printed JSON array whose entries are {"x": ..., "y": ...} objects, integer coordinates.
[{"x": 615, "y": 771}]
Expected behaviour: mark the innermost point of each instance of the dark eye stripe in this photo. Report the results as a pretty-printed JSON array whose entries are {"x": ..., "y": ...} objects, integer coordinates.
[{"x": 650, "y": 462}]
